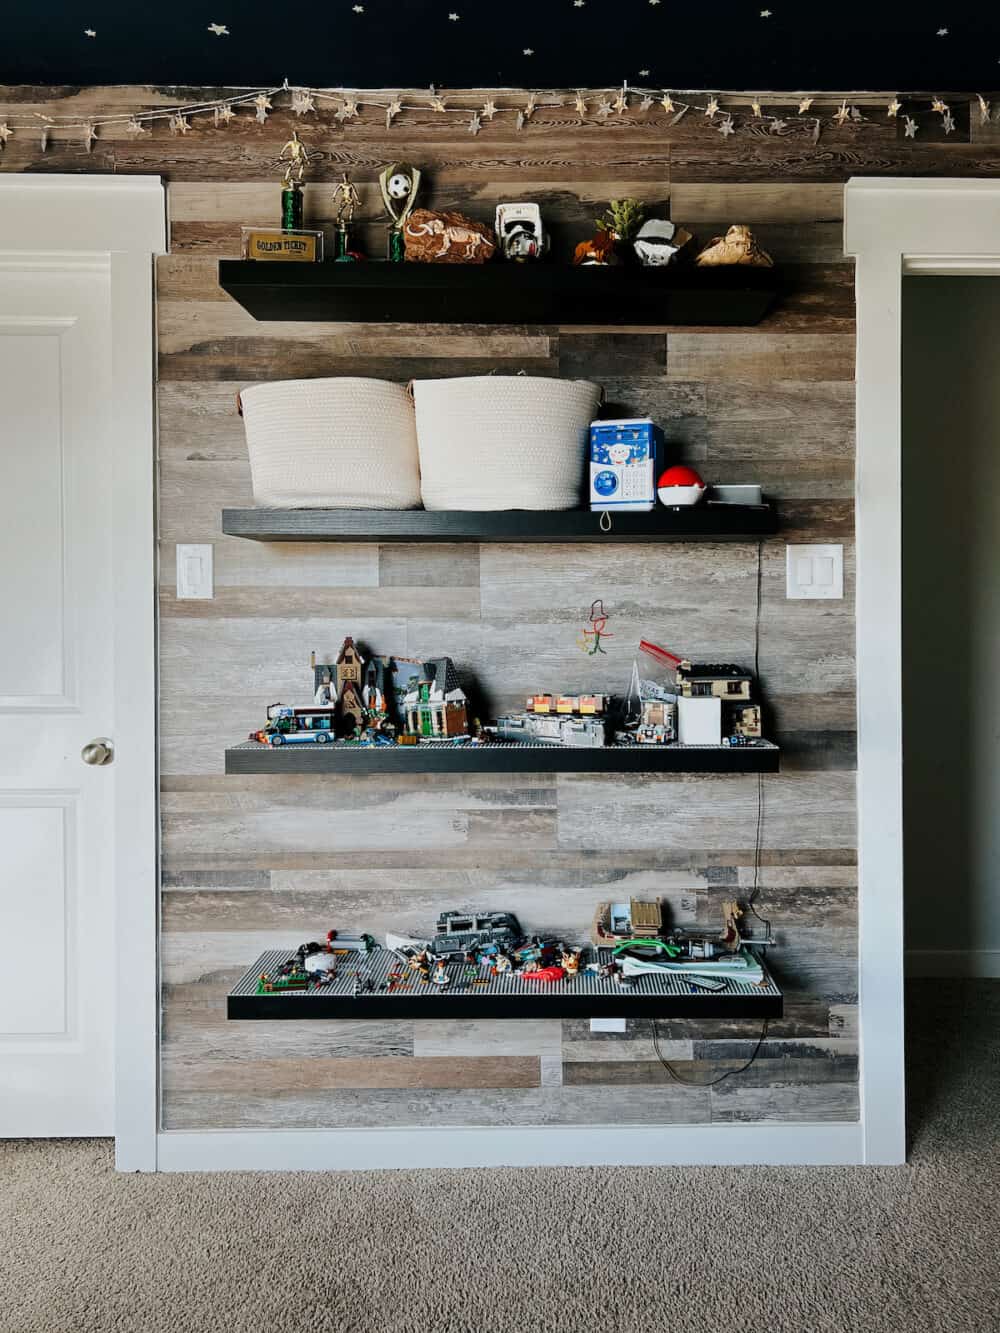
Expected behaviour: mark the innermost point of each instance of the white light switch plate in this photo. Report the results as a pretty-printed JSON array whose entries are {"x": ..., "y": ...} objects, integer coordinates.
[
  {"x": 814, "y": 572},
  {"x": 194, "y": 573},
  {"x": 607, "y": 1024}
]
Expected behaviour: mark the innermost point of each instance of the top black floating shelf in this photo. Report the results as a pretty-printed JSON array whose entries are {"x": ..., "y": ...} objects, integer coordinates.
[
  {"x": 382, "y": 293},
  {"x": 693, "y": 523}
]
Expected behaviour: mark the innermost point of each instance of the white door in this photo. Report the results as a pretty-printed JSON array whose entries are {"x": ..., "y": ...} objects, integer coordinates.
[{"x": 56, "y": 697}]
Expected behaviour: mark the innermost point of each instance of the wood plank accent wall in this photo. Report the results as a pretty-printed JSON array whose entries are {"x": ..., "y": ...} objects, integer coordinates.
[{"x": 251, "y": 863}]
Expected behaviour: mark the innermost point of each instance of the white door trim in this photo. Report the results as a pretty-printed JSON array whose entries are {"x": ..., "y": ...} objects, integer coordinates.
[
  {"x": 892, "y": 227},
  {"x": 124, "y": 216}
]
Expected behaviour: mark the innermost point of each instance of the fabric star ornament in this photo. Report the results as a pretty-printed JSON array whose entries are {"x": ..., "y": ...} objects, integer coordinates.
[
  {"x": 804, "y": 105},
  {"x": 842, "y": 113},
  {"x": 263, "y": 104},
  {"x": 755, "y": 107},
  {"x": 392, "y": 111},
  {"x": 347, "y": 110},
  {"x": 940, "y": 107},
  {"x": 475, "y": 123},
  {"x": 894, "y": 108},
  {"x": 909, "y": 127},
  {"x": 179, "y": 124},
  {"x": 135, "y": 128},
  {"x": 489, "y": 109},
  {"x": 5, "y": 133},
  {"x": 712, "y": 109},
  {"x": 984, "y": 110},
  {"x": 727, "y": 128},
  {"x": 302, "y": 103},
  {"x": 667, "y": 102}
]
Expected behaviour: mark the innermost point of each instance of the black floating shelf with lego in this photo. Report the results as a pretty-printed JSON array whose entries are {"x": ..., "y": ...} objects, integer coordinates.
[
  {"x": 501, "y": 293},
  {"x": 346, "y": 757},
  {"x": 683, "y": 523},
  {"x": 584, "y": 996}
]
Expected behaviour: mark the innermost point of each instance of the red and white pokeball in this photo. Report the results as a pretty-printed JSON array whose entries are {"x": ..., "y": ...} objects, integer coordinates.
[{"x": 680, "y": 485}]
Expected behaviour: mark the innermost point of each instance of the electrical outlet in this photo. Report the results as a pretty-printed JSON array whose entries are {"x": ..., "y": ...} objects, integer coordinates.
[
  {"x": 194, "y": 573},
  {"x": 814, "y": 572}
]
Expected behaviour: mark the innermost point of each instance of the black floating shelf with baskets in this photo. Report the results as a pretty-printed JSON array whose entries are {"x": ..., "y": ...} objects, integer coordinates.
[
  {"x": 498, "y": 293},
  {"x": 499, "y": 757},
  {"x": 585, "y": 996},
  {"x": 692, "y": 523}
]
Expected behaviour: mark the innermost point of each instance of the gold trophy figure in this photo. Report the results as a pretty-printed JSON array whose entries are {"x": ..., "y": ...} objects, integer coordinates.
[{"x": 347, "y": 201}]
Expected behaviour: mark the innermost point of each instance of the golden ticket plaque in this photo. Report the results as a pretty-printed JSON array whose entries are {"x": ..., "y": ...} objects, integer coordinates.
[{"x": 304, "y": 247}]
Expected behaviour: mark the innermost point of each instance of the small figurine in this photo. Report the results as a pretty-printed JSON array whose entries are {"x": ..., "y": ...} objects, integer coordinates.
[
  {"x": 421, "y": 964},
  {"x": 347, "y": 201},
  {"x": 599, "y": 250},
  {"x": 519, "y": 231},
  {"x": 658, "y": 241},
  {"x": 502, "y": 963},
  {"x": 440, "y": 976},
  {"x": 399, "y": 185},
  {"x": 738, "y": 246},
  {"x": 569, "y": 961}
]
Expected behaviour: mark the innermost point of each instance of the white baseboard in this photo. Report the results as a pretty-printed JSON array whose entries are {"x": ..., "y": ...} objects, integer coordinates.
[
  {"x": 563, "y": 1145},
  {"x": 953, "y": 962}
]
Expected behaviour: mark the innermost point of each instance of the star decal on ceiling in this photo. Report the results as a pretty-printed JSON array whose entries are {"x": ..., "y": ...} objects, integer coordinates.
[
  {"x": 453, "y": 18},
  {"x": 644, "y": 74},
  {"x": 942, "y": 32},
  {"x": 528, "y": 51},
  {"x": 358, "y": 9},
  {"x": 579, "y": 4},
  {"x": 89, "y": 32},
  {"x": 219, "y": 29},
  {"x": 766, "y": 13}
]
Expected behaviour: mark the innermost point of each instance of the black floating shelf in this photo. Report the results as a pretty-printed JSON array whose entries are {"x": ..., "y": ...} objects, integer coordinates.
[
  {"x": 498, "y": 757},
  {"x": 690, "y": 523},
  {"x": 498, "y": 293},
  {"x": 586, "y": 996}
]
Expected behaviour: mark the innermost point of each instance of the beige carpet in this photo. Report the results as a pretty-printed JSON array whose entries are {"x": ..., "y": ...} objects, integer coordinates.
[{"x": 689, "y": 1250}]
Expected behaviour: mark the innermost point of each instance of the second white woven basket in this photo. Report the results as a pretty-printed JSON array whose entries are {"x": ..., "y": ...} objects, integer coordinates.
[{"x": 503, "y": 441}]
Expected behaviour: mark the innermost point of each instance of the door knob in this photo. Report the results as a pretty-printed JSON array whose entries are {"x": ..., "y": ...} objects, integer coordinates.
[{"x": 98, "y": 752}]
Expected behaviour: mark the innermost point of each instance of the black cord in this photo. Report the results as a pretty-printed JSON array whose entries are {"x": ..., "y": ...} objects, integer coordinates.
[{"x": 709, "y": 1082}]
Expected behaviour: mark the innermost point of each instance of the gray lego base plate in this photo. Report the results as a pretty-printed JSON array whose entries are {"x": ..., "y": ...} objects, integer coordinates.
[
  {"x": 501, "y": 757},
  {"x": 508, "y": 996}
]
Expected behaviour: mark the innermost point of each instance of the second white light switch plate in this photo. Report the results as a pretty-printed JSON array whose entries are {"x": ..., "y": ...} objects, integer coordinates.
[
  {"x": 814, "y": 572},
  {"x": 194, "y": 573}
]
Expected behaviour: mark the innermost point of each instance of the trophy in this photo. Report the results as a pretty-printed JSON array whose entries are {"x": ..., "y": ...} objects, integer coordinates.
[
  {"x": 291, "y": 241},
  {"x": 399, "y": 184},
  {"x": 348, "y": 201},
  {"x": 295, "y": 157}
]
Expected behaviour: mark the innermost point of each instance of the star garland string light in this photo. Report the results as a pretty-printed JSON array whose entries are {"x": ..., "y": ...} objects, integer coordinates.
[{"x": 724, "y": 114}]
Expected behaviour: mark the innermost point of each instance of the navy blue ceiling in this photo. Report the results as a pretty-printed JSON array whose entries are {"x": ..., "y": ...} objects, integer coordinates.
[{"x": 727, "y": 44}]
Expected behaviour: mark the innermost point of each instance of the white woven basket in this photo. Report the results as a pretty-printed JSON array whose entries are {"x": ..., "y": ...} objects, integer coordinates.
[
  {"x": 503, "y": 441},
  {"x": 332, "y": 444}
]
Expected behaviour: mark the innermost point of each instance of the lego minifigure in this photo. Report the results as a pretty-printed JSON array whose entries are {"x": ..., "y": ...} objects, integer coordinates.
[{"x": 440, "y": 975}]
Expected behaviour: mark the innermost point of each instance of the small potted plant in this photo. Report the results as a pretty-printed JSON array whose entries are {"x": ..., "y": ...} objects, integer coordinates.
[{"x": 622, "y": 222}]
